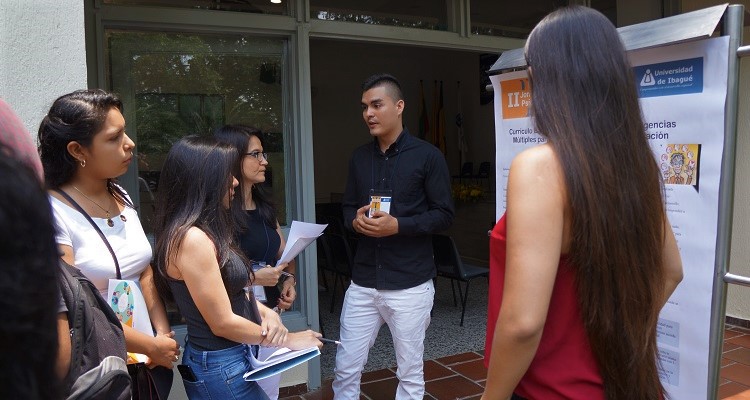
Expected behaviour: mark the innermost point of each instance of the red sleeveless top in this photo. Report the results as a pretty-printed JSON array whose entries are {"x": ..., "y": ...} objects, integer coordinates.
[{"x": 563, "y": 366}]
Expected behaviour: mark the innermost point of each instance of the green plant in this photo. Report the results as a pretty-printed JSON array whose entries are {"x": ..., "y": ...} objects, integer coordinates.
[{"x": 466, "y": 192}]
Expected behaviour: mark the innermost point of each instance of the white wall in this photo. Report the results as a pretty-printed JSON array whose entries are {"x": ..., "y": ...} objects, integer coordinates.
[
  {"x": 42, "y": 54},
  {"x": 337, "y": 71},
  {"x": 738, "y": 299}
]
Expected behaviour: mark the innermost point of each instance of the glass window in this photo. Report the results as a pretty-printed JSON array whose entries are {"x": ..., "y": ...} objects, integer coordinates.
[
  {"x": 251, "y": 6},
  {"x": 430, "y": 15},
  {"x": 509, "y": 19},
  {"x": 608, "y": 8},
  {"x": 174, "y": 84},
  {"x": 516, "y": 20}
]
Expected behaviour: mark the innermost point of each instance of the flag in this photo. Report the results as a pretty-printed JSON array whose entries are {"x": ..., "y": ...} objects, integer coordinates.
[
  {"x": 424, "y": 119},
  {"x": 431, "y": 137},
  {"x": 440, "y": 122},
  {"x": 463, "y": 148}
]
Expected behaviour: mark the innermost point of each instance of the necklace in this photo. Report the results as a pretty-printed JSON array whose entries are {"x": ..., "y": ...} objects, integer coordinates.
[{"x": 110, "y": 223}]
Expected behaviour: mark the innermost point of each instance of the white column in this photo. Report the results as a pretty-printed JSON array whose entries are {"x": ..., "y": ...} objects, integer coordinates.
[{"x": 42, "y": 54}]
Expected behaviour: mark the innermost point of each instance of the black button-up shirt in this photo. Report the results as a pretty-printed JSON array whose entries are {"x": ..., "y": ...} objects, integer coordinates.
[{"x": 417, "y": 175}]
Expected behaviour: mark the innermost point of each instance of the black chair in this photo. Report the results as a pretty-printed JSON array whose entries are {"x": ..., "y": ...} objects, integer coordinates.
[
  {"x": 335, "y": 224},
  {"x": 449, "y": 265},
  {"x": 332, "y": 214},
  {"x": 338, "y": 260},
  {"x": 467, "y": 171},
  {"x": 485, "y": 171},
  {"x": 321, "y": 253}
]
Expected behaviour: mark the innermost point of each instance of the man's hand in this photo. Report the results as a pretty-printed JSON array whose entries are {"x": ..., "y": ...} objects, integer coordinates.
[{"x": 381, "y": 224}]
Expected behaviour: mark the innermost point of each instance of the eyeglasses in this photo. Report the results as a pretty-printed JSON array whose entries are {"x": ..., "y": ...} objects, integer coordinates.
[{"x": 258, "y": 155}]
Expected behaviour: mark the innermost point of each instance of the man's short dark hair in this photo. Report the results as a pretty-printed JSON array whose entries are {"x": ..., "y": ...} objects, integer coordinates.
[{"x": 389, "y": 81}]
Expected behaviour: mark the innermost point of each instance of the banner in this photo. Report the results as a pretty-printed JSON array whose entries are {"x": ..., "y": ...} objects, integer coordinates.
[
  {"x": 682, "y": 90},
  {"x": 514, "y": 130}
]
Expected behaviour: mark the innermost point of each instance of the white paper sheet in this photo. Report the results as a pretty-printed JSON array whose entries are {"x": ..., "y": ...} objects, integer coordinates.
[{"x": 301, "y": 234}]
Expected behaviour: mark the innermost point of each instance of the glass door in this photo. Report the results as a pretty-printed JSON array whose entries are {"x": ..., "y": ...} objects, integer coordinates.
[{"x": 178, "y": 84}]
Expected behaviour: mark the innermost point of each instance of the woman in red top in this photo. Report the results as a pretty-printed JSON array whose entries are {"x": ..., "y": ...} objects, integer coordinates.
[{"x": 589, "y": 257}]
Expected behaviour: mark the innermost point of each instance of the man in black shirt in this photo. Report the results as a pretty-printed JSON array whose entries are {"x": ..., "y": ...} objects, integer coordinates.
[{"x": 406, "y": 181}]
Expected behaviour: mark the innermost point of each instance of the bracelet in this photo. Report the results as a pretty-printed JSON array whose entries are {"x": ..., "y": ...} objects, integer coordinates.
[{"x": 289, "y": 275}]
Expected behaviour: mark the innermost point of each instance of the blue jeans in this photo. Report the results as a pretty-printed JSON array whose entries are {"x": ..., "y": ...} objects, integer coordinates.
[{"x": 219, "y": 374}]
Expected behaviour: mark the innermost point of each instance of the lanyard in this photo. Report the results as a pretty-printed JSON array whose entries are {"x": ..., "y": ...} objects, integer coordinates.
[{"x": 393, "y": 172}]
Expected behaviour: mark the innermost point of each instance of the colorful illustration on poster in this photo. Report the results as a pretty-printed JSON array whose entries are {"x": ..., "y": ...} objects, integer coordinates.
[{"x": 680, "y": 164}]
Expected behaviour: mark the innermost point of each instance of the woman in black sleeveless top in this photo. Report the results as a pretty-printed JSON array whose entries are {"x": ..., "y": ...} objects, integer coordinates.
[
  {"x": 259, "y": 234},
  {"x": 201, "y": 269}
]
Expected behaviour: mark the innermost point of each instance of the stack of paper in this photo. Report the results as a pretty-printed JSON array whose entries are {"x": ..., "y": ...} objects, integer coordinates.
[{"x": 301, "y": 234}]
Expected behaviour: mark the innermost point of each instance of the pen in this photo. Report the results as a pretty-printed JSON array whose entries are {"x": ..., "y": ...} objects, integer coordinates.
[{"x": 324, "y": 340}]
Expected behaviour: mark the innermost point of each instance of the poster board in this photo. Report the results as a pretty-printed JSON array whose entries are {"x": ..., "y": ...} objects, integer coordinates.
[{"x": 682, "y": 90}]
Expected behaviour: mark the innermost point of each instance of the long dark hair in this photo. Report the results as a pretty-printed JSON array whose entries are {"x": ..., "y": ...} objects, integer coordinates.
[
  {"x": 74, "y": 117},
  {"x": 238, "y": 136},
  {"x": 584, "y": 101},
  {"x": 194, "y": 180},
  {"x": 29, "y": 266}
]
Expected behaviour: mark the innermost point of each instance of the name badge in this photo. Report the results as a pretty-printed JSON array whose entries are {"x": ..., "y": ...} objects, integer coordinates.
[
  {"x": 380, "y": 201},
  {"x": 259, "y": 291}
]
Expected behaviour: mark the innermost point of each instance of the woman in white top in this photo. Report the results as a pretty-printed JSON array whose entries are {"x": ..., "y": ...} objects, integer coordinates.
[{"x": 84, "y": 147}]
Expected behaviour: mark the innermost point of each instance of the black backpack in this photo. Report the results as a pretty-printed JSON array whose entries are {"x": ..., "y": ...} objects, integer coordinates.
[{"x": 97, "y": 362}]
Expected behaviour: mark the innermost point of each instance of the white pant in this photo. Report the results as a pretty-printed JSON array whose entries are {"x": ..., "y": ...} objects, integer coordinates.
[{"x": 407, "y": 313}]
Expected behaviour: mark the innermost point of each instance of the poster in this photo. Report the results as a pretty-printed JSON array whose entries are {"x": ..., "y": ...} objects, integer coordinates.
[
  {"x": 682, "y": 90},
  {"x": 514, "y": 130}
]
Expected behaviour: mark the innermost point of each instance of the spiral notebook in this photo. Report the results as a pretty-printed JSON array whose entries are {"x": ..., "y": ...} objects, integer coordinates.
[{"x": 278, "y": 362}]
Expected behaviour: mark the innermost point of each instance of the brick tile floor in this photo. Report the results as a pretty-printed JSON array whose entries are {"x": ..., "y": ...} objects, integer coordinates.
[
  {"x": 735, "y": 364},
  {"x": 462, "y": 376}
]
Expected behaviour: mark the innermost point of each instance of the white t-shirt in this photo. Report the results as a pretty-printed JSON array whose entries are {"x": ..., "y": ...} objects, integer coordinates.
[{"x": 91, "y": 254}]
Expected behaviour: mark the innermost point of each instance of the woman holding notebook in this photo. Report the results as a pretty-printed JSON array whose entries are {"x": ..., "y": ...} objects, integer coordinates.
[
  {"x": 259, "y": 233},
  {"x": 207, "y": 276}
]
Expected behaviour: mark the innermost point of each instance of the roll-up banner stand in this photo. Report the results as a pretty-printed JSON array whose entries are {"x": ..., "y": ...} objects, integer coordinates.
[{"x": 683, "y": 91}]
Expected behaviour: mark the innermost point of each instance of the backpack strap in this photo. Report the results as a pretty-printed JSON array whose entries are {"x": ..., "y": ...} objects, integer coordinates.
[
  {"x": 96, "y": 227},
  {"x": 71, "y": 292},
  {"x": 97, "y": 343}
]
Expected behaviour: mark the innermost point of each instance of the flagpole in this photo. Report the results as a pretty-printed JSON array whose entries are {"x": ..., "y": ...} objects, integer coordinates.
[
  {"x": 442, "y": 145},
  {"x": 459, "y": 124},
  {"x": 424, "y": 119}
]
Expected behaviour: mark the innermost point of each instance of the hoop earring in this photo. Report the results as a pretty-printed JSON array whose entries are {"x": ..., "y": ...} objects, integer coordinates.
[{"x": 83, "y": 163}]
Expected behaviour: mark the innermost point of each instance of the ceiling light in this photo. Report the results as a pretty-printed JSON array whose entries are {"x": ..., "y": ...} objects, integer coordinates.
[{"x": 276, "y": 1}]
